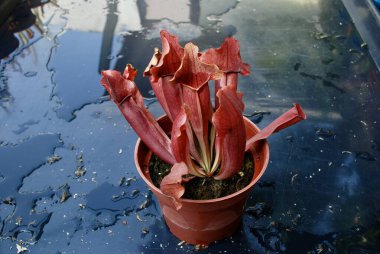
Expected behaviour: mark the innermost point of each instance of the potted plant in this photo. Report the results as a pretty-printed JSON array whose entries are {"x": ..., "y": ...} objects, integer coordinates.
[{"x": 198, "y": 149}]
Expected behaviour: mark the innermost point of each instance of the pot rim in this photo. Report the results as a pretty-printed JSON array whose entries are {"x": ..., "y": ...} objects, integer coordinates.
[{"x": 203, "y": 201}]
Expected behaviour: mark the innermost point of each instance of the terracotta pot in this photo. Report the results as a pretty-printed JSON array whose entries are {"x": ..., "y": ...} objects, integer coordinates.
[{"x": 203, "y": 221}]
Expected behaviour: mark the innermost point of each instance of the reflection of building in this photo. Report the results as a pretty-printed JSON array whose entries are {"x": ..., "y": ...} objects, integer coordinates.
[
  {"x": 16, "y": 20},
  {"x": 131, "y": 16},
  {"x": 137, "y": 46},
  {"x": 177, "y": 11},
  {"x": 126, "y": 13},
  {"x": 180, "y": 17}
]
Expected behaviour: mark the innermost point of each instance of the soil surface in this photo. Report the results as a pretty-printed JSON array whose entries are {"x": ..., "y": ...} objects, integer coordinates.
[{"x": 205, "y": 188}]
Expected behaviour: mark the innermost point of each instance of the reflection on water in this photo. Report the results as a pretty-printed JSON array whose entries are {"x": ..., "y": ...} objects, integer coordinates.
[
  {"x": 320, "y": 192},
  {"x": 19, "y": 23},
  {"x": 22, "y": 222}
]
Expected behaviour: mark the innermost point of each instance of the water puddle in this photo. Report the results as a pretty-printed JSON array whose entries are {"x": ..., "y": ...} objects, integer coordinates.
[
  {"x": 259, "y": 210},
  {"x": 118, "y": 200},
  {"x": 75, "y": 89},
  {"x": 24, "y": 126},
  {"x": 19, "y": 161}
]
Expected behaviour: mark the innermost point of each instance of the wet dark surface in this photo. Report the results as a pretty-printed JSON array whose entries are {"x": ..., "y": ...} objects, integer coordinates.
[{"x": 68, "y": 183}]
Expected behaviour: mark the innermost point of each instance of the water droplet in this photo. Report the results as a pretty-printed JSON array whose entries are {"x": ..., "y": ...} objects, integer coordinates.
[
  {"x": 30, "y": 74},
  {"x": 214, "y": 18},
  {"x": 365, "y": 156},
  {"x": 324, "y": 133},
  {"x": 297, "y": 66},
  {"x": 259, "y": 210}
]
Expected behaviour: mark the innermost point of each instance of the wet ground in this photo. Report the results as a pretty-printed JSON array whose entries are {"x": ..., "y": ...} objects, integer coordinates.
[{"x": 68, "y": 183}]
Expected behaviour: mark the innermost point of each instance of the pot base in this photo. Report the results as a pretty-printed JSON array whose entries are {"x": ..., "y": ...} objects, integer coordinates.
[{"x": 204, "y": 237}]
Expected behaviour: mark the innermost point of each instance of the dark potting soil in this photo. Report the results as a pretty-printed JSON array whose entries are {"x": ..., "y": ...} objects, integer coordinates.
[{"x": 205, "y": 188}]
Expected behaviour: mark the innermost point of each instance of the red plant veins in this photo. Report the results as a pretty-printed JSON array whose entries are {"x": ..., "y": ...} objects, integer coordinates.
[{"x": 205, "y": 140}]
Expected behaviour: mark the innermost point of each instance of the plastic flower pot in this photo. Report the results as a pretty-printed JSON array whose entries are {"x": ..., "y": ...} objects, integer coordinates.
[{"x": 204, "y": 221}]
